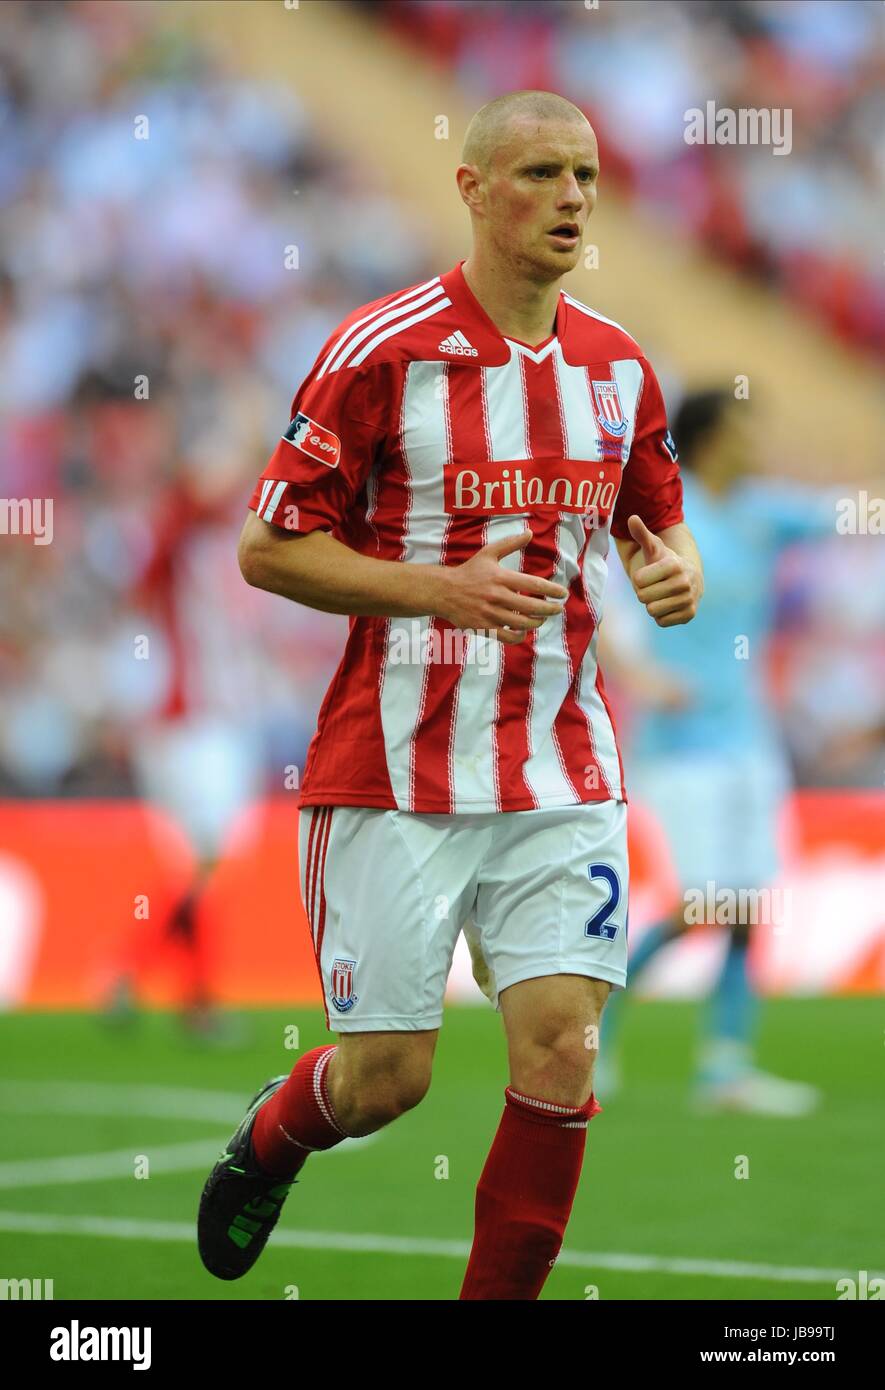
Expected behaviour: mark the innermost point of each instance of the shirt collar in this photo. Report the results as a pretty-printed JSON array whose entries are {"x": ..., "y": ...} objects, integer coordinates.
[{"x": 494, "y": 348}]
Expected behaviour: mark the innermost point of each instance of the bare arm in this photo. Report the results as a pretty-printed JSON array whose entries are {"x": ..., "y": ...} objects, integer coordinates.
[
  {"x": 665, "y": 571},
  {"x": 317, "y": 570}
]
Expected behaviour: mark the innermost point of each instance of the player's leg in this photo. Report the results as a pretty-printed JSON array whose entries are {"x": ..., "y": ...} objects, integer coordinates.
[
  {"x": 381, "y": 890},
  {"x": 746, "y": 854},
  {"x": 551, "y": 911},
  {"x": 219, "y": 765},
  {"x": 188, "y": 929},
  {"x": 202, "y": 771},
  {"x": 383, "y": 902},
  {"x": 341, "y": 1091},
  {"x": 686, "y": 794},
  {"x": 376, "y": 1077},
  {"x": 730, "y": 1017},
  {"x": 651, "y": 943},
  {"x": 727, "y": 1076},
  {"x": 525, "y": 1194},
  {"x": 552, "y": 1027}
]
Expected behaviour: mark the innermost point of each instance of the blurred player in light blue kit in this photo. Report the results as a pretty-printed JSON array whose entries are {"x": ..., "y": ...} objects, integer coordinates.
[{"x": 706, "y": 754}]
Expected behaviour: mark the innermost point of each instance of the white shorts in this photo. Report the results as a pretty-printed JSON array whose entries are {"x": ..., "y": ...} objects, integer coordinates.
[
  {"x": 203, "y": 771},
  {"x": 720, "y": 813},
  {"x": 388, "y": 892}
]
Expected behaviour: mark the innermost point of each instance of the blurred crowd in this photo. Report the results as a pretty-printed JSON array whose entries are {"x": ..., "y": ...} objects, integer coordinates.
[
  {"x": 153, "y": 330},
  {"x": 808, "y": 221}
]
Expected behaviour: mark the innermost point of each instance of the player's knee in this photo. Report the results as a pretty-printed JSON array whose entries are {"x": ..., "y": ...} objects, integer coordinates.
[
  {"x": 557, "y": 1064},
  {"x": 372, "y": 1112},
  {"x": 382, "y": 1090}
]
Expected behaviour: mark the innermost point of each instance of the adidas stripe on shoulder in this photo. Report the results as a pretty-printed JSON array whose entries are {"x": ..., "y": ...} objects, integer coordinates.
[{"x": 383, "y": 322}]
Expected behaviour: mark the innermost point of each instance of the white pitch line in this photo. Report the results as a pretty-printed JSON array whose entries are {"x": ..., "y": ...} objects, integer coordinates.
[
  {"x": 100, "y": 1098},
  {"x": 112, "y": 1163},
  {"x": 119, "y": 1163},
  {"x": 136, "y": 1102},
  {"x": 181, "y": 1232}
]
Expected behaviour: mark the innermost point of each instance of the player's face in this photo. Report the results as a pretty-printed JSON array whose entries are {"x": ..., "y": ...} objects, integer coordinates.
[{"x": 543, "y": 178}]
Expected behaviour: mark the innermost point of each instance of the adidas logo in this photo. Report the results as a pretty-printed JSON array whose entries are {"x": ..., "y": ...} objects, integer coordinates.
[{"x": 457, "y": 345}]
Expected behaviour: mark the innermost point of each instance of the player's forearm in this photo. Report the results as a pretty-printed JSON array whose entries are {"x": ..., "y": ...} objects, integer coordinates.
[
  {"x": 325, "y": 574},
  {"x": 679, "y": 539},
  {"x": 665, "y": 570}
]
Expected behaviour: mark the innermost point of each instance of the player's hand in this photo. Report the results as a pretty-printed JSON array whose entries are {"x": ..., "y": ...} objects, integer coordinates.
[
  {"x": 666, "y": 583},
  {"x": 482, "y": 595}
]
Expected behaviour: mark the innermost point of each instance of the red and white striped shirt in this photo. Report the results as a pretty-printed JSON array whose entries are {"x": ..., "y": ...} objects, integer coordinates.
[{"x": 421, "y": 434}]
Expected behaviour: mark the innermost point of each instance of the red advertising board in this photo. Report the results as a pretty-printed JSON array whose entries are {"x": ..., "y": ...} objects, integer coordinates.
[{"x": 86, "y": 889}]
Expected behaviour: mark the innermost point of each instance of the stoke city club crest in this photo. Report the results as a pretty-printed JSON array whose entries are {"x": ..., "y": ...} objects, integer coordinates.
[
  {"x": 343, "y": 996},
  {"x": 608, "y": 408}
]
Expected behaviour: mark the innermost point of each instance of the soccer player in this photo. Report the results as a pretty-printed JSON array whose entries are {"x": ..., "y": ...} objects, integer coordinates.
[
  {"x": 191, "y": 754},
  {"x": 455, "y": 463},
  {"x": 709, "y": 757}
]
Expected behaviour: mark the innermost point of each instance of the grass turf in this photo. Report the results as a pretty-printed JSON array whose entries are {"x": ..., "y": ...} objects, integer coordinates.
[{"x": 658, "y": 1179}]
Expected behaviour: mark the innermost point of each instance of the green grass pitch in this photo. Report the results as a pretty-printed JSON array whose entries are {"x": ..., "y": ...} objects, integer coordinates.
[{"x": 376, "y": 1220}]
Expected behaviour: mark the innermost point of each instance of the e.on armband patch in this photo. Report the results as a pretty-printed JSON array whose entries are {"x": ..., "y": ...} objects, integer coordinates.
[{"x": 314, "y": 440}]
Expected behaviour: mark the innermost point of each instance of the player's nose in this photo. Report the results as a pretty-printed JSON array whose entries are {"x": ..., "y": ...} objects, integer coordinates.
[{"x": 571, "y": 193}]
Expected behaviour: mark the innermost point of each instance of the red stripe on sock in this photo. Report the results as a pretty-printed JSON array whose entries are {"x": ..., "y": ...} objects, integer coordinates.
[{"x": 298, "y": 1119}]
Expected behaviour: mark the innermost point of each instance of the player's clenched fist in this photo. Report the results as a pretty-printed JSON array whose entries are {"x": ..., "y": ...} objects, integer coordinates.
[
  {"x": 482, "y": 595},
  {"x": 668, "y": 584}
]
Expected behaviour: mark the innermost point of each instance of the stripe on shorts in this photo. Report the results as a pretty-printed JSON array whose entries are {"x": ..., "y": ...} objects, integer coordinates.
[{"x": 317, "y": 842}]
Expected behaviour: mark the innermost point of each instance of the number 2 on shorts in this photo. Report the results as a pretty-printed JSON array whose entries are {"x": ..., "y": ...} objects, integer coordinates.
[{"x": 600, "y": 924}]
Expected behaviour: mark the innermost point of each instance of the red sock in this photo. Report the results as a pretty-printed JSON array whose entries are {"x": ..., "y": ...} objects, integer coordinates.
[
  {"x": 298, "y": 1119},
  {"x": 524, "y": 1197}
]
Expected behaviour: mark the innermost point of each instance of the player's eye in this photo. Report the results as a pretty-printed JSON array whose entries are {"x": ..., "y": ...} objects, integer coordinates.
[{"x": 588, "y": 174}]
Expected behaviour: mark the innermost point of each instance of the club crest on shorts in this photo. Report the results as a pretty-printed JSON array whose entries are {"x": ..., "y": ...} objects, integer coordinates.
[
  {"x": 609, "y": 412},
  {"x": 343, "y": 996}
]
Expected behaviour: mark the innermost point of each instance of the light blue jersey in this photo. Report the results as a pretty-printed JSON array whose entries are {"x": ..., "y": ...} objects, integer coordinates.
[
  {"x": 714, "y": 772},
  {"x": 719, "y": 655}
]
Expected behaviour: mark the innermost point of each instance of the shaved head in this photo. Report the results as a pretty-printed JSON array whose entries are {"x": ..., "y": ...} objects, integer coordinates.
[
  {"x": 495, "y": 125},
  {"x": 528, "y": 177}
]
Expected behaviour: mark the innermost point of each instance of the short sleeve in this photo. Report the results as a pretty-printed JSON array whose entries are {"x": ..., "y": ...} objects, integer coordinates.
[
  {"x": 651, "y": 486},
  {"x": 326, "y": 453}
]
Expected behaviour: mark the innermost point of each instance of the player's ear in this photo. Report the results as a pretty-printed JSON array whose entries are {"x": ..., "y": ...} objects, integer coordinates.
[{"x": 469, "y": 181}]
